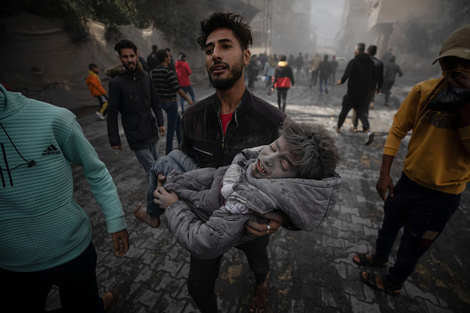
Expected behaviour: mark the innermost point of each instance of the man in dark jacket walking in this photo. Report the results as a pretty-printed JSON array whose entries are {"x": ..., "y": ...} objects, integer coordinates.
[
  {"x": 375, "y": 84},
  {"x": 283, "y": 79},
  {"x": 324, "y": 70},
  {"x": 131, "y": 93},
  {"x": 359, "y": 73}
]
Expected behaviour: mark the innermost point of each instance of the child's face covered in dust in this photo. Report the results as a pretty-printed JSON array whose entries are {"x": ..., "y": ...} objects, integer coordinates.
[{"x": 275, "y": 161}]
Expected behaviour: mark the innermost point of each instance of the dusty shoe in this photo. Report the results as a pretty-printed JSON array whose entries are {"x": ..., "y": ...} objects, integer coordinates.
[
  {"x": 370, "y": 138},
  {"x": 100, "y": 116},
  {"x": 259, "y": 301}
]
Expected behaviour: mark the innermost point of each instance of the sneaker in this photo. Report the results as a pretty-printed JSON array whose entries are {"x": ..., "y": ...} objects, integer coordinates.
[
  {"x": 338, "y": 131},
  {"x": 100, "y": 115},
  {"x": 370, "y": 138}
]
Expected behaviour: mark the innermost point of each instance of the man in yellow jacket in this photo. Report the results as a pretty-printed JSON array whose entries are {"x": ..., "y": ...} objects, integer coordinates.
[
  {"x": 436, "y": 168},
  {"x": 96, "y": 89}
]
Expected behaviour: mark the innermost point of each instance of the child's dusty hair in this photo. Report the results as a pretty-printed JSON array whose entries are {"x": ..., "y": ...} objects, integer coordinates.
[{"x": 315, "y": 148}]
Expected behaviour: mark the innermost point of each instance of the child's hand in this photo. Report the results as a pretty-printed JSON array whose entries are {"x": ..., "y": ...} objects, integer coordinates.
[
  {"x": 160, "y": 179},
  {"x": 164, "y": 198}
]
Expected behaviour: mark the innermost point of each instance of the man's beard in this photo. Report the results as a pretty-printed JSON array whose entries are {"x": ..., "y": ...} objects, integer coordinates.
[
  {"x": 128, "y": 69},
  {"x": 227, "y": 83}
]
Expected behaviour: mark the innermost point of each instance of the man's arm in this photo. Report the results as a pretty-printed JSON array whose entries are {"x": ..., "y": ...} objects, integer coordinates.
[
  {"x": 347, "y": 73},
  {"x": 78, "y": 150},
  {"x": 385, "y": 182}
]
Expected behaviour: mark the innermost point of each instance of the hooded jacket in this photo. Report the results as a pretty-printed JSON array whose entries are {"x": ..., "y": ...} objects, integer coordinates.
[
  {"x": 283, "y": 77},
  {"x": 134, "y": 96},
  {"x": 359, "y": 73},
  {"x": 41, "y": 225},
  {"x": 216, "y": 203}
]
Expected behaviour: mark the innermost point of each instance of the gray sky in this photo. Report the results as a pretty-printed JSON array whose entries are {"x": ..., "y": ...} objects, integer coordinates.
[{"x": 326, "y": 18}]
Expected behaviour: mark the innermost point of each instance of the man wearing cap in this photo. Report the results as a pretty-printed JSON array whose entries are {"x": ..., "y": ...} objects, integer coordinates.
[{"x": 436, "y": 168}]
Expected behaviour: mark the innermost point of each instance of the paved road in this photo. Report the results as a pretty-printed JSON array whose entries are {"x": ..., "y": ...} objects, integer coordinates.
[{"x": 310, "y": 271}]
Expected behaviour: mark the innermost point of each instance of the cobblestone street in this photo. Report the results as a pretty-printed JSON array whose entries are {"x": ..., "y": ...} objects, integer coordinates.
[{"x": 310, "y": 271}]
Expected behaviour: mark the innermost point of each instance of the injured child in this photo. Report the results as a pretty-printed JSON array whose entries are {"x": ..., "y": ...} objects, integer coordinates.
[{"x": 206, "y": 209}]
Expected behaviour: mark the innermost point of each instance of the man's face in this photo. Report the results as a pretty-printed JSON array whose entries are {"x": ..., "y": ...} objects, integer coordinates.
[
  {"x": 129, "y": 59},
  {"x": 95, "y": 69},
  {"x": 275, "y": 161},
  {"x": 225, "y": 59}
]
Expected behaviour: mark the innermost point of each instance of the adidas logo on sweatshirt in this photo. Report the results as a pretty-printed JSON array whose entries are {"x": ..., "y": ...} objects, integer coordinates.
[{"x": 51, "y": 150}]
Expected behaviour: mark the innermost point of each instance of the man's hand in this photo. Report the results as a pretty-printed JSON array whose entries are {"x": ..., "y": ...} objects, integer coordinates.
[
  {"x": 384, "y": 184},
  {"x": 117, "y": 147},
  {"x": 162, "y": 130},
  {"x": 275, "y": 220},
  {"x": 338, "y": 82},
  {"x": 120, "y": 242}
]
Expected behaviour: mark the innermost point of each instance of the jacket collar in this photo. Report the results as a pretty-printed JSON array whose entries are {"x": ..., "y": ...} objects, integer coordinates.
[
  {"x": 10, "y": 102},
  {"x": 247, "y": 97}
]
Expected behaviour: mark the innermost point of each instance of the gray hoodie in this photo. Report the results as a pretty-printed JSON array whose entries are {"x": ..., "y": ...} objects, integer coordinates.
[{"x": 215, "y": 204}]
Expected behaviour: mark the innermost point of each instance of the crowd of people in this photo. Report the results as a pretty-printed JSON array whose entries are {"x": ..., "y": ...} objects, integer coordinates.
[{"x": 242, "y": 165}]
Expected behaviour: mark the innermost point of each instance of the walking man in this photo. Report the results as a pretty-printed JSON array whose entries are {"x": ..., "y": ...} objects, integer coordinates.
[
  {"x": 324, "y": 70},
  {"x": 359, "y": 73},
  {"x": 436, "y": 168},
  {"x": 334, "y": 66},
  {"x": 132, "y": 94},
  {"x": 375, "y": 85},
  {"x": 183, "y": 71},
  {"x": 166, "y": 84}
]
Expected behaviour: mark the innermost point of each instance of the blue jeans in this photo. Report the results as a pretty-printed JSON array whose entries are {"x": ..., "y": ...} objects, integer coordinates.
[
  {"x": 175, "y": 160},
  {"x": 423, "y": 213},
  {"x": 187, "y": 89},
  {"x": 323, "y": 83},
  {"x": 76, "y": 279},
  {"x": 147, "y": 157},
  {"x": 174, "y": 123}
]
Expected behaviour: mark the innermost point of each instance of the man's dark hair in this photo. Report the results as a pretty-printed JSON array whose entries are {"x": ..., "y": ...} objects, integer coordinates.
[
  {"x": 234, "y": 22},
  {"x": 314, "y": 147},
  {"x": 91, "y": 66},
  {"x": 154, "y": 48},
  {"x": 325, "y": 57},
  {"x": 125, "y": 44},
  {"x": 282, "y": 57},
  {"x": 361, "y": 47},
  {"x": 372, "y": 49},
  {"x": 162, "y": 54}
]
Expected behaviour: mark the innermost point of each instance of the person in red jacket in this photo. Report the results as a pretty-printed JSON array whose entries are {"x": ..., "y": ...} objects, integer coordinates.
[
  {"x": 283, "y": 79},
  {"x": 96, "y": 89},
  {"x": 183, "y": 71}
]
